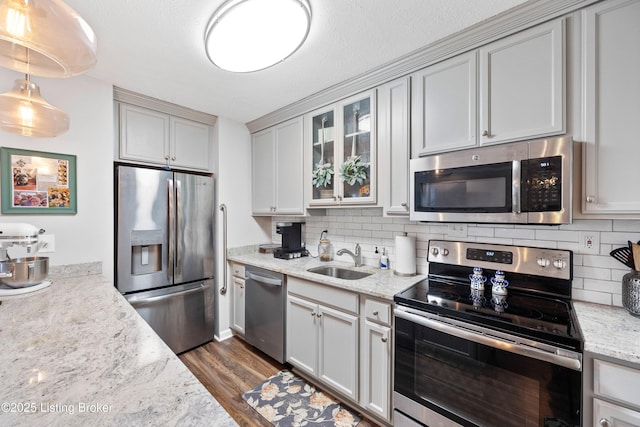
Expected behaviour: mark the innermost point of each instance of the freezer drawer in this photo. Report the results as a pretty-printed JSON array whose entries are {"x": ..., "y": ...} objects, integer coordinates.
[{"x": 181, "y": 315}]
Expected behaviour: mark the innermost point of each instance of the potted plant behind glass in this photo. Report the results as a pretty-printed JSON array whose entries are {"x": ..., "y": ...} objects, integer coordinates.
[
  {"x": 354, "y": 170},
  {"x": 322, "y": 178}
]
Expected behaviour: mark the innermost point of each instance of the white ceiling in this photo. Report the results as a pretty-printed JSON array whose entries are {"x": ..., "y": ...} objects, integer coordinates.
[{"x": 155, "y": 47}]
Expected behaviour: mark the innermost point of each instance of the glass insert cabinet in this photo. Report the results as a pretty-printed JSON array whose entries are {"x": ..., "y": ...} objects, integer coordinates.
[{"x": 343, "y": 159}]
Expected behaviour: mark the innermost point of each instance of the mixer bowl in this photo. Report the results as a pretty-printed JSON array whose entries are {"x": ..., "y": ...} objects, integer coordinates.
[{"x": 24, "y": 272}]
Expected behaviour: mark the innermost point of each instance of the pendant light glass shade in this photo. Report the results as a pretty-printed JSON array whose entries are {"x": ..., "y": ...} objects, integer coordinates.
[
  {"x": 250, "y": 35},
  {"x": 25, "y": 112},
  {"x": 45, "y": 38}
]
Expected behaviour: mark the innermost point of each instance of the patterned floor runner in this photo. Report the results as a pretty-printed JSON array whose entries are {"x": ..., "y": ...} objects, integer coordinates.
[{"x": 286, "y": 400}]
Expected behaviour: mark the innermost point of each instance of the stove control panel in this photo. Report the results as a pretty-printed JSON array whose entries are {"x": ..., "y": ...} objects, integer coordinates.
[
  {"x": 502, "y": 257},
  {"x": 518, "y": 259}
]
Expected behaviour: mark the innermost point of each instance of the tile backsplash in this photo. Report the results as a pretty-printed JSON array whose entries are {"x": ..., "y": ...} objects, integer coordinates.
[{"x": 597, "y": 276}]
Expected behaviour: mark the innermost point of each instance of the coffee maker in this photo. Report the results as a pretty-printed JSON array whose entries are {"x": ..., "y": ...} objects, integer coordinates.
[{"x": 292, "y": 246}]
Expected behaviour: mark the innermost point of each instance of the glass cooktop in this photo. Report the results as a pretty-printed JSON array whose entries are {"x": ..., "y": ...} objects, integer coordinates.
[{"x": 529, "y": 315}]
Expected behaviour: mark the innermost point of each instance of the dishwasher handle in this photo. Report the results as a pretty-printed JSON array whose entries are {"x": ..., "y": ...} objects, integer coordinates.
[{"x": 261, "y": 279}]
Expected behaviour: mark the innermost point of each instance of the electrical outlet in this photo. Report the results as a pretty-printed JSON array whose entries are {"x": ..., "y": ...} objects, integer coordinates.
[
  {"x": 590, "y": 242},
  {"x": 48, "y": 242},
  {"x": 457, "y": 230}
]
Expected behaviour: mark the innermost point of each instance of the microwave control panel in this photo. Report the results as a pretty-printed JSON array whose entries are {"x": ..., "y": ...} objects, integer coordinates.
[{"x": 542, "y": 184}]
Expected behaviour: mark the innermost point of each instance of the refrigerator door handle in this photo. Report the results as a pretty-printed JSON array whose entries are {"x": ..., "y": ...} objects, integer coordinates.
[
  {"x": 171, "y": 228},
  {"x": 179, "y": 227}
]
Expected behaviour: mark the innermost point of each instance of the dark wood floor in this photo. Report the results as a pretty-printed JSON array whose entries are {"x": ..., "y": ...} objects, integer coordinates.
[{"x": 229, "y": 368}]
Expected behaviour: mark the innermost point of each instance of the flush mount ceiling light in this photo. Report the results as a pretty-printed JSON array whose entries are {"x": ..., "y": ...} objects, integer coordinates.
[
  {"x": 251, "y": 35},
  {"x": 25, "y": 112},
  {"x": 45, "y": 38}
]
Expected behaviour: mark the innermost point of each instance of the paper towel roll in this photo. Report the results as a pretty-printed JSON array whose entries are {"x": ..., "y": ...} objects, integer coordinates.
[{"x": 405, "y": 255}]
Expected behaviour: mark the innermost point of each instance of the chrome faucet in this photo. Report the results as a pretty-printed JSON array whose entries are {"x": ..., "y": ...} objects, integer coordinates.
[{"x": 357, "y": 257}]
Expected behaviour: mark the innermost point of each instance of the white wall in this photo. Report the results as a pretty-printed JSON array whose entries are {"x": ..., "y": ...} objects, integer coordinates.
[
  {"x": 234, "y": 190},
  {"x": 88, "y": 235}
]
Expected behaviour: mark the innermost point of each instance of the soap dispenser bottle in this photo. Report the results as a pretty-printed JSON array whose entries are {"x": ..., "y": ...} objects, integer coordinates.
[{"x": 384, "y": 260}]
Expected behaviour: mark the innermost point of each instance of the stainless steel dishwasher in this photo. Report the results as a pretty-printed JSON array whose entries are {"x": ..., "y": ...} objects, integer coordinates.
[{"x": 265, "y": 298}]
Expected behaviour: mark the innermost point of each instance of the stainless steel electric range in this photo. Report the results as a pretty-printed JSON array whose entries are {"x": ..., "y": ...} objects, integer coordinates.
[{"x": 490, "y": 338}]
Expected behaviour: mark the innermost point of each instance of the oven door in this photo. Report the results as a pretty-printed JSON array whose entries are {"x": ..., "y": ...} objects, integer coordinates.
[{"x": 451, "y": 373}]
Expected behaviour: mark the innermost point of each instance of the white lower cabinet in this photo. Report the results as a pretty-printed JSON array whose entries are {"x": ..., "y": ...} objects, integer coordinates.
[
  {"x": 302, "y": 334},
  {"x": 237, "y": 289},
  {"x": 607, "y": 414},
  {"x": 376, "y": 350},
  {"x": 322, "y": 334},
  {"x": 338, "y": 350},
  {"x": 343, "y": 340},
  {"x": 376, "y": 353},
  {"x": 610, "y": 393}
]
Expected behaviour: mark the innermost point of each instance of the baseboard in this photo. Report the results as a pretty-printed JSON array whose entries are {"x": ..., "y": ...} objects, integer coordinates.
[{"x": 224, "y": 335}]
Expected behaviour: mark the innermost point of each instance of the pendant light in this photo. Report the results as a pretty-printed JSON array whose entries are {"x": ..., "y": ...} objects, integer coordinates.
[
  {"x": 45, "y": 38},
  {"x": 251, "y": 35},
  {"x": 25, "y": 112}
]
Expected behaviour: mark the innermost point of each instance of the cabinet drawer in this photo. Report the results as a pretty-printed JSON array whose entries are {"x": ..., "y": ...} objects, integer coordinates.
[
  {"x": 378, "y": 311},
  {"x": 325, "y": 294},
  {"x": 237, "y": 269},
  {"x": 616, "y": 382},
  {"x": 614, "y": 415}
]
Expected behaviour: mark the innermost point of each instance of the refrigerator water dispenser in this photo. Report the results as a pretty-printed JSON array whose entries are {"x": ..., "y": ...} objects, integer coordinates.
[{"x": 146, "y": 251}]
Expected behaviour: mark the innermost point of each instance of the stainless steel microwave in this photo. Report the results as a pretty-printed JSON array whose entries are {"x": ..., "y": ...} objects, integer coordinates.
[{"x": 527, "y": 182}]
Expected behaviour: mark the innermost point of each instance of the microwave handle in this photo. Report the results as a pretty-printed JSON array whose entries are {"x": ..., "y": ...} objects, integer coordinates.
[{"x": 516, "y": 190}]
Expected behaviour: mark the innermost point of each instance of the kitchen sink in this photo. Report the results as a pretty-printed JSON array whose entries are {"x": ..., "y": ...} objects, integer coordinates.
[{"x": 339, "y": 273}]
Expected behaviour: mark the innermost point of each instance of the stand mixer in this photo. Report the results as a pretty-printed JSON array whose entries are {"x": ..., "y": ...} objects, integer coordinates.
[{"x": 21, "y": 275}]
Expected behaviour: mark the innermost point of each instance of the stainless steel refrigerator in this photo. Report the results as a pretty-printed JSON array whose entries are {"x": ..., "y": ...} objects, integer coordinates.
[{"x": 165, "y": 251}]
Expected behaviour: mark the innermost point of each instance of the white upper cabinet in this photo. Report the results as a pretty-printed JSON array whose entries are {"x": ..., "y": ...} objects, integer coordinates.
[
  {"x": 444, "y": 105},
  {"x": 394, "y": 146},
  {"x": 522, "y": 93},
  {"x": 277, "y": 156},
  {"x": 611, "y": 107},
  {"x": 508, "y": 90},
  {"x": 155, "y": 137},
  {"x": 190, "y": 144},
  {"x": 342, "y": 152}
]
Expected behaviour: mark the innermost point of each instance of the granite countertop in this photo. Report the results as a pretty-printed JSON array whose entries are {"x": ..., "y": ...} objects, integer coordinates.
[
  {"x": 382, "y": 283},
  {"x": 609, "y": 331},
  {"x": 77, "y": 354}
]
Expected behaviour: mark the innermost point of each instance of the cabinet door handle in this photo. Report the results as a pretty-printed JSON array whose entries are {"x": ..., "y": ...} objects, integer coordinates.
[
  {"x": 383, "y": 339},
  {"x": 173, "y": 157},
  {"x": 604, "y": 422},
  {"x": 313, "y": 313},
  {"x": 319, "y": 315},
  {"x": 166, "y": 157},
  {"x": 485, "y": 133},
  {"x": 591, "y": 199},
  {"x": 375, "y": 313}
]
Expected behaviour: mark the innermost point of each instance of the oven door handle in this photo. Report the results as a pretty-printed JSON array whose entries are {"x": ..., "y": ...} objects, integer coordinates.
[{"x": 567, "y": 359}]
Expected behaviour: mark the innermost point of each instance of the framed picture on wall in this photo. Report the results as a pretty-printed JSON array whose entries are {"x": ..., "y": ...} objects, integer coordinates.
[{"x": 36, "y": 182}]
